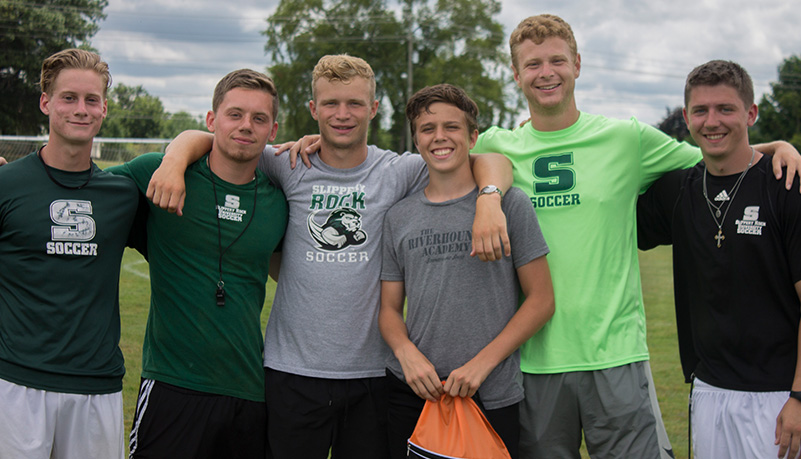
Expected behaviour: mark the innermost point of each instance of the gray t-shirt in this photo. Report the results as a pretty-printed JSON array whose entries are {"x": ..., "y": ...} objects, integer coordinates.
[
  {"x": 324, "y": 319},
  {"x": 457, "y": 304}
]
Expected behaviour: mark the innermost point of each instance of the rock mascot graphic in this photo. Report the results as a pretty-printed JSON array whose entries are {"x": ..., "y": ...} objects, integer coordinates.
[{"x": 342, "y": 229}]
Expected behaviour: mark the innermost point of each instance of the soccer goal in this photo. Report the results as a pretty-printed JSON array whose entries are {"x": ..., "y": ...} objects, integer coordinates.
[{"x": 107, "y": 150}]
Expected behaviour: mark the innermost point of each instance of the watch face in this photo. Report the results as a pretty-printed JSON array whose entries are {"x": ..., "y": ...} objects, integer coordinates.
[{"x": 489, "y": 189}]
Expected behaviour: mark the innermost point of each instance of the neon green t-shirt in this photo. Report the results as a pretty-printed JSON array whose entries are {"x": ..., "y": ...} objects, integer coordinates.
[{"x": 583, "y": 182}]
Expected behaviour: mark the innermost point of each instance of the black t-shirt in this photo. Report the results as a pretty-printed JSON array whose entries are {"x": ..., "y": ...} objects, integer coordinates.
[{"x": 737, "y": 308}]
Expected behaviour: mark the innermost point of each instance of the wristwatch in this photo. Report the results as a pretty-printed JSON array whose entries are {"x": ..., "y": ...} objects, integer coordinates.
[
  {"x": 489, "y": 189},
  {"x": 795, "y": 394}
]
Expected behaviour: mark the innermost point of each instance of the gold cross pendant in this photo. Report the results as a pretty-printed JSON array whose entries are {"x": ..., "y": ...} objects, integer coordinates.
[{"x": 720, "y": 237}]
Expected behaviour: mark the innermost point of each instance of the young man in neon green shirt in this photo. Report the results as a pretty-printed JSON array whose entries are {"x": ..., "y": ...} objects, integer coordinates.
[{"x": 587, "y": 369}]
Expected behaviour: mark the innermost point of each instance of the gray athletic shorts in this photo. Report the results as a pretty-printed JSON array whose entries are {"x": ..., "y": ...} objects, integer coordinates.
[{"x": 616, "y": 409}]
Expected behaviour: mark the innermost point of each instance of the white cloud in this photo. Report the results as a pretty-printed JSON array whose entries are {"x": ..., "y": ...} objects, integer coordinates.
[{"x": 635, "y": 54}]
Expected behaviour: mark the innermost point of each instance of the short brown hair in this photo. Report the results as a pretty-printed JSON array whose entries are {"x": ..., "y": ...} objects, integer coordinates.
[
  {"x": 447, "y": 94},
  {"x": 341, "y": 67},
  {"x": 537, "y": 29},
  {"x": 717, "y": 72},
  {"x": 246, "y": 79},
  {"x": 72, "y": 58}
]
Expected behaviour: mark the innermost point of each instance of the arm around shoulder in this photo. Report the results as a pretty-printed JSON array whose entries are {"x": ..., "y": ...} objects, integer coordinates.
[{"x": 167, "y": 188}]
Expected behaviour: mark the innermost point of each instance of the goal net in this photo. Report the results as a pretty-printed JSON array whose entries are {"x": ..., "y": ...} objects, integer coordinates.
[{"x": 105, "y": 150}]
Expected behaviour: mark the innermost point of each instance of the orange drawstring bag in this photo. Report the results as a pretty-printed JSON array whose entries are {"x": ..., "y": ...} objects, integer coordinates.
[{"x": 455, "y": 427}]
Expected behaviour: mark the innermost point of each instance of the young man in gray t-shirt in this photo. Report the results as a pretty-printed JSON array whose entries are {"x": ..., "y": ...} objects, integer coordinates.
[{"x": 463, "y": 325}]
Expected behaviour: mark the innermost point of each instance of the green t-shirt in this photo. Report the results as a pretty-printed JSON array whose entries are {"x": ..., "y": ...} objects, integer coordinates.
[
  {"x": 583, "y": 182},
  {"x": 60, "y": 252},
  {"x": 190, "y": 341}
]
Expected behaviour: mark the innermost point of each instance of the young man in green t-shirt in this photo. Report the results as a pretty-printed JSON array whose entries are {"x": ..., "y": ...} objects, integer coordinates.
[
  {"x": 202, "y": 391},
  {"x": 63, "y": 227}
]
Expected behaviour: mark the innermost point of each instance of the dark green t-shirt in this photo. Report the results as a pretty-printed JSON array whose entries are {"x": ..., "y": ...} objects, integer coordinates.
[
  {"x": 190, "y": 341},
  {"x": 61, "y": 250}
]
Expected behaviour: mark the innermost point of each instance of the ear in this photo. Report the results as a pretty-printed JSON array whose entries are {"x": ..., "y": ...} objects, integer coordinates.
[
  {"x": 105, "y": 107},
  {"x": 274, "y": 133},
  {"x": 374, "y": 109},
  {"x": 313, "y": 109},
  {"x": 210, "y": 117},
  {"x": 684, "y": 115},
  {"x": 473, "y": 138},
  {"x": 516, "y": 74},
  {"x": 753, "y": 114},
  {"x": 44, "y": 101},
  {"x": 578, "y": 64}
]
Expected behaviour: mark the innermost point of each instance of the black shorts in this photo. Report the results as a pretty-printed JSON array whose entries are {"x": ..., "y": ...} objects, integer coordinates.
[
  {"x": 310, "y": 416},
  {"x": 174, "y": 422},
  {"x": 405, "y": 407}
]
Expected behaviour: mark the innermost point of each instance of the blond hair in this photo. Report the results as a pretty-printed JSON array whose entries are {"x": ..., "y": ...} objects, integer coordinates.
[
  {"x": 341, "y": 67},
  {"x": 72, "y": 58},
  {"x": 538, "y": 29}
]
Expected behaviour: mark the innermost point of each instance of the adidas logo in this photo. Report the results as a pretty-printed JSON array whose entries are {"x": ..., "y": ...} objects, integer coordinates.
[{"x": 722, "y": 196}]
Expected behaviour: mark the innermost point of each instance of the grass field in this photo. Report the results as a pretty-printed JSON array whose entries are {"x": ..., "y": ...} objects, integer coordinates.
[{"x": 657, "y": 290}]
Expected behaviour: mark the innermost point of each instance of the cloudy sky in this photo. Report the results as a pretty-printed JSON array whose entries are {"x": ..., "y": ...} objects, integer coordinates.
[{"x": 635, "y": 53}]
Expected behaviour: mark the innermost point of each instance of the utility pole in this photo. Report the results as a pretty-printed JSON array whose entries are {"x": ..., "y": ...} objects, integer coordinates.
[{"x": 408, "y": 12}]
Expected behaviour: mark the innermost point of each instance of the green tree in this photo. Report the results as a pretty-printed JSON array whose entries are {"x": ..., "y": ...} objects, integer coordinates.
[
  {"x": 780, "y": 110},
  {"x": 175, "y": 123},
  {"x": 674, "y": 125},
  {"x": 132, "y": 112},
  {"x": 32, "y": 31},
  {"x": 454, "y": 41}
]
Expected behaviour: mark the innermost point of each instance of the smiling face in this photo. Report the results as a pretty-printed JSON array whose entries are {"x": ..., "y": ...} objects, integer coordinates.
[
  {"x": 718, "y": 120},
  {"x": 546, "y": 73},
  {"x": 75, "y": 106},
  {"x": 443, "y": 138},
  {"x": 343, "y": 110},
  {"x": 243, "y": 124}
]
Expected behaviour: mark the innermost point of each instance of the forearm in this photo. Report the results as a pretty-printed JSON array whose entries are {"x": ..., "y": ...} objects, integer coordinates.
[
  {"x": 770, "y": 148},
  {"x": 188, "y": 147},
  {"x": 490, "y": 240},
  {"x": 492, "y": 169},
  {"x": 390, "y": 316}
]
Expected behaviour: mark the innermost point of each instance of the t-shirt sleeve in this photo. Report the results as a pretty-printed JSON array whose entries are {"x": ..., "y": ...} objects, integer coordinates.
[
  {"x": 655, "y": 211},
  {"x": 481, "y": 145},
  {"x": 139, "y": 169},
  {"x": 414, "y": 172},
  {"x": 660, "y": 154},
  {"x": 276, "y": 168},
  {"x": 391, "y": 269}
]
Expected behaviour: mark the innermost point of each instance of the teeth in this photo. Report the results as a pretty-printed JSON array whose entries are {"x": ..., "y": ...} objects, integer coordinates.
[
  {"x": 714, "y": 136},
  {"x": 549, "y": 87},
  {"x": 440, "y": 152}
]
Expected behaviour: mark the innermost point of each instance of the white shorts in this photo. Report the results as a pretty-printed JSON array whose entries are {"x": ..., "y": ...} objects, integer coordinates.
[
  {"x": 39, "y": 424},
  {"x": 734, "y": 424}
]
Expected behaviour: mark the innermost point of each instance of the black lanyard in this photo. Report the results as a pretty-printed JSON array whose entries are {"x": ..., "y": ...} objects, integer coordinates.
[{"x": 220, "y": 295}]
